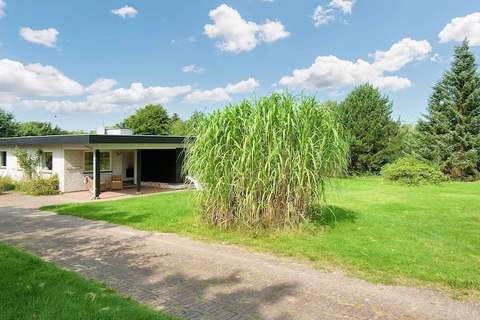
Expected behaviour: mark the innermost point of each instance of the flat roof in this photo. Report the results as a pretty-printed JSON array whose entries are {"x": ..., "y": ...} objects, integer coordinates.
[{"x": 92, "y": 139}]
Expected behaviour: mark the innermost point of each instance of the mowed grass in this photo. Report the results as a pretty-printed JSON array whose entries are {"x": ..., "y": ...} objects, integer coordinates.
[
  {"x": 31, "y": 288},
  {"x": 373, "y": 229}
]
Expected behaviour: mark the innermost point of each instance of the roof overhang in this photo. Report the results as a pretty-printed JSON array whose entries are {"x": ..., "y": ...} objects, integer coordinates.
[{"x": 93, "y": 139}]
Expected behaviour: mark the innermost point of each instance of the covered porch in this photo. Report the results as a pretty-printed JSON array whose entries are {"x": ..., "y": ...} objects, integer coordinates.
[{"x": 131, "y": 170}]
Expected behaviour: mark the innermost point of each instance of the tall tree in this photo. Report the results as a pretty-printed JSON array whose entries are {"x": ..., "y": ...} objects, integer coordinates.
[
  {"x": 449, "y": 134},
  {"x": 151, "y": 119},
  {"x": 8, "y": 125},
  {"x": 367, "y": 115},
  {"x": 36, "y": 128},
  {"x": 177, "y": 127}
]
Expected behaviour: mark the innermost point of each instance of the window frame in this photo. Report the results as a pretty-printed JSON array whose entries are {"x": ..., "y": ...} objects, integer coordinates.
[
  {"x": 44, "y": 168},
  {"x": 104, "y": 170},
  {"x": 1, "y": 157}
]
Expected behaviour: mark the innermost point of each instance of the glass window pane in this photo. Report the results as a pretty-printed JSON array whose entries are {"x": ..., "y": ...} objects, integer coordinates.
[
  {"x": 88, "y": 161},
  {"x": 47, "y": 161},
  {"x": 3, "y": 158},
  {"x": 105, "y": 161}
]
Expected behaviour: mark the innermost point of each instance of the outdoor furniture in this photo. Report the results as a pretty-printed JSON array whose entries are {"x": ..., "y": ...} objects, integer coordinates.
[{"x": 116, "y": 183}]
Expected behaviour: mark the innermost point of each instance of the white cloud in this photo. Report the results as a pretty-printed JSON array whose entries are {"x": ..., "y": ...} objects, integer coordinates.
[
  {"x": 236, "y": 34},
  {"x": 2, "y": 8},
  {"x": 101, "y": 85},
  {"x": 192, "y": 68},
  {"x": 330, "y": 72},
  {"x": 322, "y": 16},
  {"x": 460, "y": 28},
  {"x": 110, "y": 100},
  {"x": 35, "y": 80},
  {"x": 436, "y": 58},
  {"x": 37, "y": 86},
  {"x": 401, "y": 53},
  {"x": 345, "y": 6},
  {"x": 125, "y": 11},
  {"x": 222, "y": 93},
  {"x": 45, "y": 37}
]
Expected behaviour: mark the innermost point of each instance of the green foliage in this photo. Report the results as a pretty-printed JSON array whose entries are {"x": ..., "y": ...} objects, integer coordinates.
[
  {"x": 28, "y": 162},
  {"x": 410, "y": 170},
  {"x": 366, "y": 115},
  {"x": 6, "y": 183},
  {"x": 39, "y": 186},
  {"x": 8, "y": 125},
  {"x": 264, "y": 163},
  {"x": 36, "y": 128},
  {"x": 35, "y": 289},
  {"x": 449, "y": 133},
  {"x": 380, "y": 231},
  {"x": 194, "y": 123},
  {"x": 149, "y": 120}
]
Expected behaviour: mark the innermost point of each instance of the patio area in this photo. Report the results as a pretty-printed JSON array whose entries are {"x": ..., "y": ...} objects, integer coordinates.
[{"x": 82, "y": 196}]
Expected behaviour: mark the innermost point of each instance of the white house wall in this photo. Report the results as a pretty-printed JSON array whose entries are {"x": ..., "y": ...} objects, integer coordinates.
[{"x": 14, "y": 171}]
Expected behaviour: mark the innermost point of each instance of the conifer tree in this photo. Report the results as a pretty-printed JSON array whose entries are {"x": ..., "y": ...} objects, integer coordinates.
[
  {"x": 449, "y": 134},
  {"x": 367, "y": 115}
]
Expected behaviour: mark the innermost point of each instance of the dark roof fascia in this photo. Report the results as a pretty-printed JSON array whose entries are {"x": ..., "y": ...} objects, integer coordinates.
[{"x": 92, "y": 139}]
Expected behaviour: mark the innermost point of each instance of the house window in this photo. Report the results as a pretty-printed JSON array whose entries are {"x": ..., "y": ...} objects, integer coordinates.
[
  {"x": 46, "y": 161},
  {"x": 3, "y": 158},
  {"x": 104, "y": 161}
]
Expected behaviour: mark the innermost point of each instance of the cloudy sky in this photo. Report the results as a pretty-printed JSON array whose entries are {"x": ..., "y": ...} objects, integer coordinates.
[{"x": 81, "y": 64}]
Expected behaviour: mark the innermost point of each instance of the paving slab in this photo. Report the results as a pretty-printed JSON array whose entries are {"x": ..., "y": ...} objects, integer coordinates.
[{"x": 199, "y": 280}]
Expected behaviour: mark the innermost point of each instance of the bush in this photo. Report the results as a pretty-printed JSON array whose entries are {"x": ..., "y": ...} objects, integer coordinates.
[
  {"x": 412, "y": 171},
  {"x": 264, "y": 163},
  {"x": 40, "y": 186},
  {"x": 6, "y": 184}
]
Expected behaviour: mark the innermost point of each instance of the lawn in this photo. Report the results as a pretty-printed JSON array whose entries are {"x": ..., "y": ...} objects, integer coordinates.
[
  {"x": 376, "y": 230},
  {"x": 34, "y": 289}
]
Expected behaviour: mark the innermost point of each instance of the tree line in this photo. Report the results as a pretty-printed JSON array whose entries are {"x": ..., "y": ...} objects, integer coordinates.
[{"x": 447, "y": 136}]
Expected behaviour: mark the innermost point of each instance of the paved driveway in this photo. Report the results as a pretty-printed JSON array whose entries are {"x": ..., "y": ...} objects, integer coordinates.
[{"x": 198, "y": 280}]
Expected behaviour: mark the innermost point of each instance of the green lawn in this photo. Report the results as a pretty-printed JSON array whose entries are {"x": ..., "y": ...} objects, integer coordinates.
[
  {"x": 381, "y": 232},
  {"x": 34, "y": 289}
]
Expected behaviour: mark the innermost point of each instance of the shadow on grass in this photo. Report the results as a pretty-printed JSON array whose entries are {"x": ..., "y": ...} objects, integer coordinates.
[
  {"x": 157, "y": 277},
  {"x": 332, "y": 216}
]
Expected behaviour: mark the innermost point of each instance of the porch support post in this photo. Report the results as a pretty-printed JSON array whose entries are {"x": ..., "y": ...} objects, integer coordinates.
[
  {"x": 96, "y": 172},
  {"x": 139, "y": 171},
  {"x": 180, "y": 155}
]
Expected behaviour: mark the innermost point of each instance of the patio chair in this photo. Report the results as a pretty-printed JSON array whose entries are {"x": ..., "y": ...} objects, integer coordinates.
[{"x": 116, "y": 183}]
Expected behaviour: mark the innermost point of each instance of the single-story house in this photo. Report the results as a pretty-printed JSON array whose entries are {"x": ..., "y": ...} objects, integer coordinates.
[{"x": 138, "y": 159}]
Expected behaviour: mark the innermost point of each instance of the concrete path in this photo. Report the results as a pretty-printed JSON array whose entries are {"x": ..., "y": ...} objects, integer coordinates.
[{"x": 198, "y": 280}]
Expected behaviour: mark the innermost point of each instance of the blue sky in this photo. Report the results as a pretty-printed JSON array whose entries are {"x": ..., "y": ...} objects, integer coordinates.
[{"x": 201, "y": 55}]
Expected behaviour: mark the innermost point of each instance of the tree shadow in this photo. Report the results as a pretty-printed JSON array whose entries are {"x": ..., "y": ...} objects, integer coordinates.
[
  {"x": 332, "y": 216},
  {"x": 161, "y": 278}
]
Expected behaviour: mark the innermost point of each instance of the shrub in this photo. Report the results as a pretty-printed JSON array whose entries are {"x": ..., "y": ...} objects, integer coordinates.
[
  {"x": 410, "y": 170},
  {"x": 28, "y": 161},
  {"x": 6, "y": 183},
  {"x": 40, "y": 186},
  {"x": 264, "y": 163}
]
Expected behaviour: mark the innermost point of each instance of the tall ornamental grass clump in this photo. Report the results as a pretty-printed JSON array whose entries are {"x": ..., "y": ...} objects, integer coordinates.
[{"x": 264, "y": 163}]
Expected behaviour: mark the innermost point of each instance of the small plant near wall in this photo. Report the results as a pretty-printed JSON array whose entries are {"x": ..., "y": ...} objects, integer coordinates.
[
  {"x": 34, "y": 183},
  {"x": 28, "y": 162},
  {"x": 6, "y": 184},
  {"x": 39, "y": 186}
]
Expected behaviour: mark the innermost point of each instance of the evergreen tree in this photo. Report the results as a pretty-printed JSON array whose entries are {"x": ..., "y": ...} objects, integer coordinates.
[
  {"x": 449, "y": 135},
  {"x": 367, "y": 116}
]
